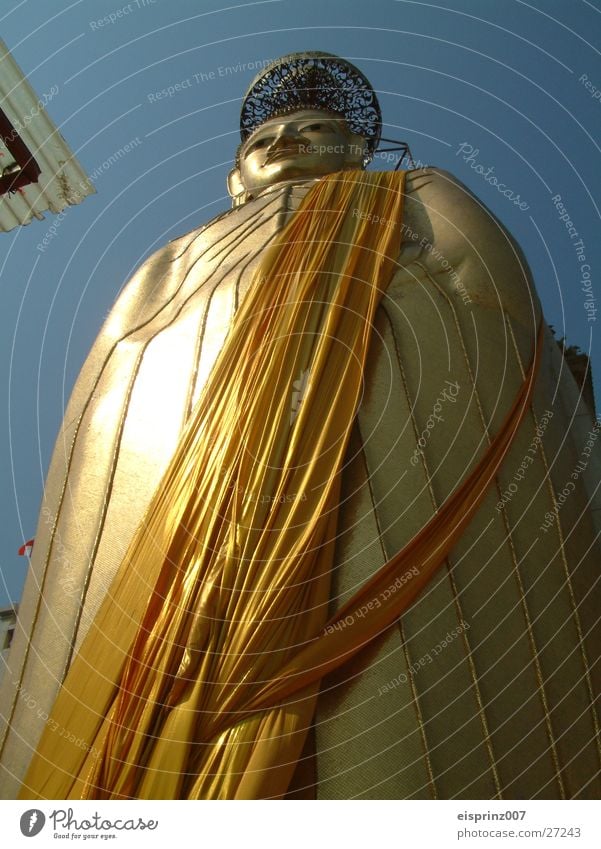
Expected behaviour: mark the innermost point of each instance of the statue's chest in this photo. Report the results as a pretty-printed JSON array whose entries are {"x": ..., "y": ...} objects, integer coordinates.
[
  {"x": 216, "y": 282},
  {"x": 217, "y": 271}
]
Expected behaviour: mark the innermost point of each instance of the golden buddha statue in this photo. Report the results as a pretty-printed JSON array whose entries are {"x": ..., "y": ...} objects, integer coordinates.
[{"x": 485, "y": 687}]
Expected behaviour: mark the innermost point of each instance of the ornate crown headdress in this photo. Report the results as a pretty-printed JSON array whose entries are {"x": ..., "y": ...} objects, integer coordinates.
[{"x": 313, "y": 80}]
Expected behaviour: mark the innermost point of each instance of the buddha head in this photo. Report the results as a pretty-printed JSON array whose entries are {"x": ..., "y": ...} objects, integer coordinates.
[
  {"x": 301, "y": 145},
  {"x": 304, "y": 116}
]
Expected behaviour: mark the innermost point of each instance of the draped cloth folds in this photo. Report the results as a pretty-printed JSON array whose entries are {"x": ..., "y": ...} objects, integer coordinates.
[{"x": 228, "y": 575}]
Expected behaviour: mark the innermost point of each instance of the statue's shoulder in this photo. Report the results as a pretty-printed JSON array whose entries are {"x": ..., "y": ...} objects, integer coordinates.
[
  {"x": 452, "y": 210},
  {"x": 158, "y": 277},
  {"x": 438, "y": 187},
  {"x": 201, "y": 240},
  {"x": 178, "y": 246},
  {"x": 455, "y": 230}
]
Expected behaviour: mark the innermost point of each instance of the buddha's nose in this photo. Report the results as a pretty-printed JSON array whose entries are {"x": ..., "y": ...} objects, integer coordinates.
[{"x": 287, "y": 137}]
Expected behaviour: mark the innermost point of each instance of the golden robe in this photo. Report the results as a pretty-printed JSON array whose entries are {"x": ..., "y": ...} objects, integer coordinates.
[{"x": 486, "y": 687}]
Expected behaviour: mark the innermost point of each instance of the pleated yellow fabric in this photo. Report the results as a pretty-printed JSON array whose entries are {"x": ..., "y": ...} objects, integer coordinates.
[
  {"x": 388, "y": 593},
  {"x": 228, "y": 576}
]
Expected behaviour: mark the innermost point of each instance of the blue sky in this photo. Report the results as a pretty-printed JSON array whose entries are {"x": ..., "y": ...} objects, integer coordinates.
[{"x": 515, "y": 84}]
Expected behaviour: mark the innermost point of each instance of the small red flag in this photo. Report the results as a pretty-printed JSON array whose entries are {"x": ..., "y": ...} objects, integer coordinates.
[{"x": 26, "y": 548}]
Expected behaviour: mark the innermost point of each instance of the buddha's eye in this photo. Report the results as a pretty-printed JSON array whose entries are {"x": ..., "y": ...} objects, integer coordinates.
[
  {"x": 259, "y": 144},
  {"x": 313, "y": 128}
]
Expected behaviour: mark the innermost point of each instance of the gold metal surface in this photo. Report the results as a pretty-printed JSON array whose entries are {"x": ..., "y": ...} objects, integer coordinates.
[{"x": 426, "y": 737}]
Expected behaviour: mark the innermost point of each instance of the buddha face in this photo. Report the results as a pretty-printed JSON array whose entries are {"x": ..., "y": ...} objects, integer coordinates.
[{"x": 305, "y": 144}]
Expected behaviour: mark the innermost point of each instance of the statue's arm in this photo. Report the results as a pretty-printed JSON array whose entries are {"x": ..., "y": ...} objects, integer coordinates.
[{"x": 465, "y": 247}]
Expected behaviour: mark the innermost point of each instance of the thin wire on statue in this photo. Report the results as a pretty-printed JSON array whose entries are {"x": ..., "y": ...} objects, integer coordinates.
[{"x": 399, "y": 147}]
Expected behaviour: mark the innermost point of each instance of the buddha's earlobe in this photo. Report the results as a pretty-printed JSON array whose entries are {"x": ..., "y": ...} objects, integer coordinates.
[{"x": 236, "y": 189}]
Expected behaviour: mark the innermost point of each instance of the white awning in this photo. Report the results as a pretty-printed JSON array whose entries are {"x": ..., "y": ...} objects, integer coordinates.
[{"x": 62, "y": 181}]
